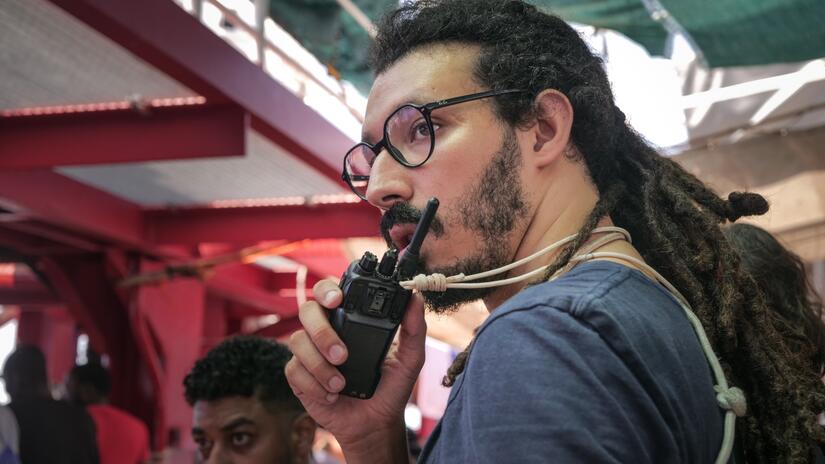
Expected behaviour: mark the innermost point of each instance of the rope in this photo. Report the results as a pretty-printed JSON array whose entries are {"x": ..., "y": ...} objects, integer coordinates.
[
  {"x": 731, "y": 399},
  {"x": 433, "y": 282}
]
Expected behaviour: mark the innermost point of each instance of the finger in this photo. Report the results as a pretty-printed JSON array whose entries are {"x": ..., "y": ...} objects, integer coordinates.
[
  {"x": 327, "y": 293},
  {"x": 413, "y": 334},
  {"x": 316, "y": 324},
  {"x": 414, "y": 325},
  {"x": 325, "y": 373},
  {"x": 305, "y": 386}
]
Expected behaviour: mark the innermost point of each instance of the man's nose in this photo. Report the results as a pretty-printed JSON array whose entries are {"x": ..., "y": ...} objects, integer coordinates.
[{"x": 390, "y": 182}]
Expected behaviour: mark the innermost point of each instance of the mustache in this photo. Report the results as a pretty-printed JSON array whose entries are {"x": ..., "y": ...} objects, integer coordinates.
[{"x": 405, "y": 213}]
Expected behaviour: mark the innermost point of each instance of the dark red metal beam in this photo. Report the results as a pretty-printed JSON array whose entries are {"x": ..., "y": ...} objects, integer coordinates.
[
  {"x": 236, "y": 290},
  {"x": 53, "y": 234},
  {"x": 167, "y": 37},
  {"x": 24, "y": 244},
  {"x": 27, "y": 297},
  {"x": 253, "y": 224},
  {"x": 104, "y": 137},
  {"x": 86, "y": 211},
  {"x": 23, "y": 287}
]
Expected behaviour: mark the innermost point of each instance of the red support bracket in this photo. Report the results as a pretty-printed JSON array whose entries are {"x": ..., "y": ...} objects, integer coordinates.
[
  {"x": 168, "y": 38},
  {"x": 264, "y": 223},
  {"x": 54, "y": 199},
  {"x": 121, "y": 136}
]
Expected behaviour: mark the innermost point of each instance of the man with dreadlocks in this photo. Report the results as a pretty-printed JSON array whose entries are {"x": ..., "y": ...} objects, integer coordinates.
[{"x": 503, "y": 113}]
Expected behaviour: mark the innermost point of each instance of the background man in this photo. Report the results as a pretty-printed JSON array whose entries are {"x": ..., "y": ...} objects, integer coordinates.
[
  {"x": 50, "y": 431},
  {"x": 505, "y": 115},
  {"x": 121, "y": 437},
  {"x": 244, "y": 411}
]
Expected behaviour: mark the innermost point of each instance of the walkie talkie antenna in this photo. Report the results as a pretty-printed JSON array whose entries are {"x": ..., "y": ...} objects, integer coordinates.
[{"x": 409, "y": 261}]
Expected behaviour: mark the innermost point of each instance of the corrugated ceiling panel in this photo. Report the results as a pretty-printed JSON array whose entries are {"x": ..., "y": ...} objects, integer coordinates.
[{"x": 48, "y": 57}]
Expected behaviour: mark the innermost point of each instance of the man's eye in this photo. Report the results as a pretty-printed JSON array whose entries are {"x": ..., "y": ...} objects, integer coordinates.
[
  {"x": 241, "y": 439},
  {"x": 420, "y": 131}
]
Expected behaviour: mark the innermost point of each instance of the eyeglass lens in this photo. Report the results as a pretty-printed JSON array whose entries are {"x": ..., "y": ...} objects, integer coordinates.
[{"x": 409, "y": 138}]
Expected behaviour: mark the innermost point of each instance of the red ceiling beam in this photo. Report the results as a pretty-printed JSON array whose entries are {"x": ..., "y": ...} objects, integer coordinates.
[
  {"x": 27, "y": 290},
  {"x": 251, "y": 296},
  {"x": 55, "y": 199},
  {"x": 52, "y": 234},
  {"x": 167, "y": 37},
  {"x": 27, "y": 297},
  {"x": 105, "y": 137},
  {"x": 254, "y": 224}
]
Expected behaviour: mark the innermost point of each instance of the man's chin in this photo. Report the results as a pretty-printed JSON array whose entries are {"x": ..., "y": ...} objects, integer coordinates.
[{"x": 453, "y": 299}]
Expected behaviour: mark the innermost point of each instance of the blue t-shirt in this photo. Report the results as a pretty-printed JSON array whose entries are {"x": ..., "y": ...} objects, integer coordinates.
[{"x": 599, "y": 366}]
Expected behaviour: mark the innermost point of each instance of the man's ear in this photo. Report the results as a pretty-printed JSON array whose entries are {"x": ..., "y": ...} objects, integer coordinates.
[
  {"x": 551, "y": 132},
  {"x": 303, "y": 434}
]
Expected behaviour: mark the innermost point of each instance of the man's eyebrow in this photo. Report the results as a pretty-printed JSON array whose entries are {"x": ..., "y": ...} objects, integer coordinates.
[
  {"x": 237, "y": 423},
  {"x": 418, "y": 101},
  {"x": 197, "y": 431}
]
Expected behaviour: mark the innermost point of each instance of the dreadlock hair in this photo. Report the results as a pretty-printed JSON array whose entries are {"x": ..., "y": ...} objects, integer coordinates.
[
  {"x": 674, "y": 218},
  {"x": 243, "y": 366}
]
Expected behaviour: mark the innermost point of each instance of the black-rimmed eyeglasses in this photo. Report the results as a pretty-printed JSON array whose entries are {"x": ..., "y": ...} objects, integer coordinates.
[{"x": 409, "y": 137}]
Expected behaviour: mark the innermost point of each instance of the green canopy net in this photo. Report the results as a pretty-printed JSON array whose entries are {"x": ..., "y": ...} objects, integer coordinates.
[{"x": 727, "y": 32}]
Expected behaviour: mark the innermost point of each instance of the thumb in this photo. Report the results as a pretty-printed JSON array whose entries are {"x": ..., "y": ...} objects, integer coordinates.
[{"x": 413, "y": 333}]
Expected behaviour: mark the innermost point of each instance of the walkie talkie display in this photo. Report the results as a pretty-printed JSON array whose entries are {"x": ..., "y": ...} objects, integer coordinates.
[{"x": 373, "y": 306}]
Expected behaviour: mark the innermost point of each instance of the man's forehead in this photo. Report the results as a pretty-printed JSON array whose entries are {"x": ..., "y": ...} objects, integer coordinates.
[
  {"x": 221, "y": 412},
  {"x": 422, "y": 76}
]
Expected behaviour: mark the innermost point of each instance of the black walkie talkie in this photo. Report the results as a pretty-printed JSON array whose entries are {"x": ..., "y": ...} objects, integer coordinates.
[{"x": 373, "y": 306}]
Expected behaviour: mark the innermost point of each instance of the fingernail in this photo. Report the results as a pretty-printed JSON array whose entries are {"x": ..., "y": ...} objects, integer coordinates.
[
  {"x": 336, "y": 383},
  {"x": 336, "y": 353},
  {"x": 332, "y": 397},
  {"x": 330, "y": 297}
]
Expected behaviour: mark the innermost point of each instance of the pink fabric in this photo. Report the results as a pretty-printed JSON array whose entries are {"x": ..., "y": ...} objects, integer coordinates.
[{"x": 121, "y": 438}]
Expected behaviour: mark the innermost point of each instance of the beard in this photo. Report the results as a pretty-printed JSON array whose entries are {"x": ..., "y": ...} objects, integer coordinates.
[{"x": 491, "y": 208}]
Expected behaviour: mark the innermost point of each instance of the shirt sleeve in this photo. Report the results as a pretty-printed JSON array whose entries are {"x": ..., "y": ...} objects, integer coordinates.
[{"x": 552, "y": 390}]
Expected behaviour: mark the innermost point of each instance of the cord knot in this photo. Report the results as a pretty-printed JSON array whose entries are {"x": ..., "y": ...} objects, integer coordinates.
[
  {"x": 732, "y": 399},
  {"x": 430, "y": 283}
]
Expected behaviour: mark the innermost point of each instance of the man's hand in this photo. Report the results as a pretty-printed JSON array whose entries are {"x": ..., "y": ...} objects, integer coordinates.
[{"x": 368, "y": 430}]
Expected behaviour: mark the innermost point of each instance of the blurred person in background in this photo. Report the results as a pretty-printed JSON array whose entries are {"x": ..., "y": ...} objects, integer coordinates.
[
  {"x": 121, "y": 437},
  {"x": 50, "y": 431},
  {"x": 796, "y": 307},
  {"x": 780, "y": 274},
  {"x": 9, "y": 437},
  {"x": 244, "y": 411}
]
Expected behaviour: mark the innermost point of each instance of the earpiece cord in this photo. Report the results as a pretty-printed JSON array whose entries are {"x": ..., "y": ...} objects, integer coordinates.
[
  {"x": 731, "y": 399},
  {"x": 438, "y": 282}
]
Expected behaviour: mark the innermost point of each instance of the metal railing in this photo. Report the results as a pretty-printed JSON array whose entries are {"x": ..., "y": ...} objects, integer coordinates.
[{"x": 290, "y": 68}]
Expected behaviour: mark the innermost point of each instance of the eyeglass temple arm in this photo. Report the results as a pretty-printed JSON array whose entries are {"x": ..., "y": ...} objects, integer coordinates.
[{"x": 465, "y": 98}]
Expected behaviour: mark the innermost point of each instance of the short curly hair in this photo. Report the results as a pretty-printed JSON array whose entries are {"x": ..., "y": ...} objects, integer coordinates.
[
  {"x": 243, "y": 366},
  {"x": 93, "y": 374}
]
